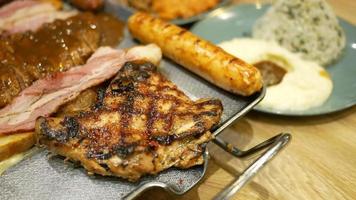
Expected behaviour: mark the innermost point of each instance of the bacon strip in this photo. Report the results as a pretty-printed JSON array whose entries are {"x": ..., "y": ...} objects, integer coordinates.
[
  {"x": 35, "y": 22},
  {"x": 44, "y": 96},
  {"x": 24, "y": 15},
  {"x": 14, "y": 6}
]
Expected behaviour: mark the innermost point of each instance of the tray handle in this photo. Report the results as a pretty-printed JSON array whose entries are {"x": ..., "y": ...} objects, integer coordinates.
[
  {"x": 274, "y": 145},
  {"x": 171, "y": 189}
]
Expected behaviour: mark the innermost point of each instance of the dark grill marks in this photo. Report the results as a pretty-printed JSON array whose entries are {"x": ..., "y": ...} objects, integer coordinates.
[
  {"x": 125, "y": 85},
  {"x": 169, "y": 118},
  {"x": 139, "y": 95},
  {"x": 122, "y": 85},
  {"x": 151, "y": 115},
  {"x": 100, "y": 98},
  {"x": 154, "y": 115},
  {"x": 143, "y": 129},
  {"x": 209, "y": 113},
  {"x": 130, "y": 74},
  {"x": 105, "y": 166},
  {"x": 69, "y": 129},
  {"x": 165, "y": 140},
  {"x": 124, "y": 151},
  {"x": 71, "y": 125},
  {"x": 126, "y": 117},
  {"x": 209, "y": 102}
]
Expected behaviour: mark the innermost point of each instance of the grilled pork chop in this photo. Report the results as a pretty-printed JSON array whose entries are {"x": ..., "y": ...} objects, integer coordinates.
[{"x": 143, "y": 124}]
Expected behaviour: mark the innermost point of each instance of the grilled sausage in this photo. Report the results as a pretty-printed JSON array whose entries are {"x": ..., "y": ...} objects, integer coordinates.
[{"x": 198, "y": 55}]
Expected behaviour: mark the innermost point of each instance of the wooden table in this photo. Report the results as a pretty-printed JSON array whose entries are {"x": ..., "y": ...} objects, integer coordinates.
[{"x": 319, "y": 162}]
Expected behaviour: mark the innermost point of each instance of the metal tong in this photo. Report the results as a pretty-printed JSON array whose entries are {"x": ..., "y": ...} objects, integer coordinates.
[{"x": 273, "y": 145}]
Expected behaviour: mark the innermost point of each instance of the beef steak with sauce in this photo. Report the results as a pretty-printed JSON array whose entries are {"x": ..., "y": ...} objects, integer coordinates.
[{"x": 58, "y": 46}]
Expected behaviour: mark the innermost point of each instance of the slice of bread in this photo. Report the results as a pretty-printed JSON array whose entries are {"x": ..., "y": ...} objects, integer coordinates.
[
  {"x": 20, "y": 142},
  {"x": 13, "y": 160},
  {"x": 16, "y": 143}
]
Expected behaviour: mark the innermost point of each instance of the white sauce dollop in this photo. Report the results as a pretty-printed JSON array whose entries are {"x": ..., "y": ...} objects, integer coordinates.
[{"x": 305, "y": 85}]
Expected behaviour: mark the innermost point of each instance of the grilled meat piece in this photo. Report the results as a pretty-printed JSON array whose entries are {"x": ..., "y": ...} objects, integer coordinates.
[
  {"x": 142, "y": 125},
  {"x": 55, "y": 47}
]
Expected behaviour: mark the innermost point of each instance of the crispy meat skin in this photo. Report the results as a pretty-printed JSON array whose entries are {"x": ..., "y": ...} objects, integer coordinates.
[
  {"x": 57, "y": 46},
  {"x": 142, "y": 125}
]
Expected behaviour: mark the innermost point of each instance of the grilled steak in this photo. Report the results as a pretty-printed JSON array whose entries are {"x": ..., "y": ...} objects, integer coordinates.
[
  {"x": 55, "y": 47},
  {"x": 142, "y": 125}
]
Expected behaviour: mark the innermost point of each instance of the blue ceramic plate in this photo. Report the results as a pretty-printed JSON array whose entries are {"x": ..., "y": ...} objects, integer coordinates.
[{"x": 237, "y": 21}]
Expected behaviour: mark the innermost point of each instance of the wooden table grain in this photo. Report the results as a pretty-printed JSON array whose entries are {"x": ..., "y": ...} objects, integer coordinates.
[{"x": 319, "y": 162}]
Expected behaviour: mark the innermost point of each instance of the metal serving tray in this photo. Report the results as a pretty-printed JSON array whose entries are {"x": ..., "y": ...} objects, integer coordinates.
[{"x": 44, "y": 177}]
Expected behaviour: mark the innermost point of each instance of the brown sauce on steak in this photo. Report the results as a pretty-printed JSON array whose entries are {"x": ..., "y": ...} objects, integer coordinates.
[
  {"x": 58, "y": 46},
  {"x": 111, "y": 29}
]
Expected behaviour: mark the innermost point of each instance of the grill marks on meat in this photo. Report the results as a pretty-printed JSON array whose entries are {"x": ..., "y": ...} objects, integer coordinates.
[
  {"x": 143, "y": 125},
  {"x": 55, "y": 47}
]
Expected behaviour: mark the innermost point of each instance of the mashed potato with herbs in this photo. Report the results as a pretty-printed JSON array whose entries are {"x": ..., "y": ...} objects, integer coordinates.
[
  {"x": 305, "y": 84},
  {"x": 308, "y": 27}
]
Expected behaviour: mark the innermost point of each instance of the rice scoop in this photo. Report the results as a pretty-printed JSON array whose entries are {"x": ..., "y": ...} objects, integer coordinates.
[{"x": 308, "y": 27}]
